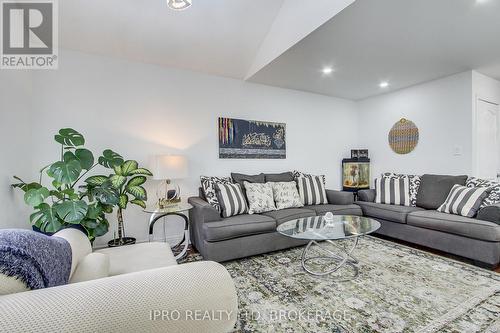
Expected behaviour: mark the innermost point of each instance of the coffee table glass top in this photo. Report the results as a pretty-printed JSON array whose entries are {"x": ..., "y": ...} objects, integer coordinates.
[{"x": 320, "y": 228}]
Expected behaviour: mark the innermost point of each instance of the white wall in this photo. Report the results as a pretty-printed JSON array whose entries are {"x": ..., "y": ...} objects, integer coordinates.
[
  {"x": 442, "y": 111},
  {"x": 15, "y": 144},
  {"x": 140, "y": 110}
]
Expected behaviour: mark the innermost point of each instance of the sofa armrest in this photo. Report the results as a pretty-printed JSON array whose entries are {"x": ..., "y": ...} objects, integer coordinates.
[
  {"x": 159, "y": 300},
  {"x": 203, "y": 211},
  {"x": 339, "y": 197},
  {"x": 490, "y": 213},
  {"x": 367, "y": 195}
]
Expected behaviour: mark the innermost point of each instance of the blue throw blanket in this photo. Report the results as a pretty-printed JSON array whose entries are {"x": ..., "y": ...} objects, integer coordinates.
[{"x": 38, "y": 260}]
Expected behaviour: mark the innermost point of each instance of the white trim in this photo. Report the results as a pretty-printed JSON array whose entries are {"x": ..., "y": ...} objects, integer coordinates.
[{"x": 478, "y": 98}]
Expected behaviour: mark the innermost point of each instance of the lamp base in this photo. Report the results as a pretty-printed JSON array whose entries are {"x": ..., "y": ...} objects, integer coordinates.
[{"x": 163, "y": 203}]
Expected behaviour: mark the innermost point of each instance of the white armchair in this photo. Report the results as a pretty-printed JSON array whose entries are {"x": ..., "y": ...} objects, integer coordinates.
[{"x": 138, "y": 298}]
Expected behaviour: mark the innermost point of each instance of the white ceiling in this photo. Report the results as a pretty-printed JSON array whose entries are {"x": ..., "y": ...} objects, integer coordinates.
[
  {"x": 404, "y": 42},
  {"x": 220, "y": 37}
]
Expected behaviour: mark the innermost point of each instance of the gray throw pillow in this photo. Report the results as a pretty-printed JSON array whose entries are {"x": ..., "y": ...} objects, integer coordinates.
[
  {"x": 434, "y": 189},
  {"x": 240, "y": 178},
  {"x": 279, "y": 177}
]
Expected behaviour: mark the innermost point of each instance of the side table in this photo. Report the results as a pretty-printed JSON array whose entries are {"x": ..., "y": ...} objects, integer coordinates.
[{"x": 179, "y": 209}]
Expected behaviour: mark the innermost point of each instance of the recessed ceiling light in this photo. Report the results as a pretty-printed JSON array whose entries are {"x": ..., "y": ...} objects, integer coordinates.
[
  {"x": 179, "y": 4},
  {"x": 327, "y": 70},
  {"x": 383, "y": 84}
]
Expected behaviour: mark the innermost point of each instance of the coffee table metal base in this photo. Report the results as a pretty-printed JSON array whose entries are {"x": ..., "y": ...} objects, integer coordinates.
[{"x": 344, "y": 257}]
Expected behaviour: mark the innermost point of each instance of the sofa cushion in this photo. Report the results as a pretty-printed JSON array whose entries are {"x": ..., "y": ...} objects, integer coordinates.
[
  {"x": 94, "y": 266},
  {"x": 386, "y": 212},
  {"x": 285, "y": 215},
  {"x": 279, "y": 177},
  {"x": 434, "y": 189},
  {"x": 138, "y": 257},
  {"x": 238, "y": 226},
  {"x": 454, "y": 224},
  {"x": 336, "y": 209},
  {"x": 490, "y": 213}
]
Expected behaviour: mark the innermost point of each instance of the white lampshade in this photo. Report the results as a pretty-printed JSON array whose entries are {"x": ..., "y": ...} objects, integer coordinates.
[{"x": 169, "y": 167}]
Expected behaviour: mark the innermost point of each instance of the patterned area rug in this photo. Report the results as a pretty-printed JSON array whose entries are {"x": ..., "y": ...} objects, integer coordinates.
[{"x": 399, "y": 289}]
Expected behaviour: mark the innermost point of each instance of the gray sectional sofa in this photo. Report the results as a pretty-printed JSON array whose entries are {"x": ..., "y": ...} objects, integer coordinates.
[
  {"x": 221, "y": 239},
  {"x": 474, "y": 238}
]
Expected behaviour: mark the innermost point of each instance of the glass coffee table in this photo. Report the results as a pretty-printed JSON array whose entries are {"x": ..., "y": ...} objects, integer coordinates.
[{"x": 329, "y": 230}]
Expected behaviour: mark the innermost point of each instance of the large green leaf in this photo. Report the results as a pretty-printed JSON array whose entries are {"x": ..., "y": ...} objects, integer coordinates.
[
  {"x": 94, "y": 211},
  {"x": 128, "y": 167},
  {"x": 136, "y": 181},
  {"x": 102, "y": 228},
  {"x": 36, "y": 196},
  {"x": 96, "y": 180},
  {"x": 108, "y": 209},
  {"x": 84, "y": 156},
  {"x": 117, "y": 181},
  {"x": 25, "y": 186},
  {"x": 141, "y": 171},
  {"x": 138, "y": 192},
  {"x": 45, "y": 219},
  {"x": 96, "y": 228},
  {"x": 110, "y": 159},
  {"x": 118, "y": 170},
  {"x": 70, "y": 193},
  {"x": 138, "y": 202},
  {"x": 105, "y": 194},
  {"x": 69, "y": 137},
  {"x": 71, "y": 211},
  {"x": 65, "y": 172},
  {"x": 123, "y": 201}
]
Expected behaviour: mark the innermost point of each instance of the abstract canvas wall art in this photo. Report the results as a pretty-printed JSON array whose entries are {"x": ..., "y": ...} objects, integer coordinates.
[{"x": 240, "y": 138}]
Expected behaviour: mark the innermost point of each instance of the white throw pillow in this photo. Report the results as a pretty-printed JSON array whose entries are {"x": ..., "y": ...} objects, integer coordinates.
[
  {"x": 312, "y": 190},
  {"x": 208, "y": 184},
  {"x": 464, "y": 200},
  {"x": 494, "y": 195},
  {"x": 260, "y": 197},
  {"x": 415, "y": 181},
  {"x": 393, "y": 191},
  {"x": 286, "y": 195},
  {"x": 231, "y": 199}
]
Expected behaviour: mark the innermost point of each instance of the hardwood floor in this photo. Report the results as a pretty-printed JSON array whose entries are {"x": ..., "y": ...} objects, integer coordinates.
[{"x": 441, "y": 253}]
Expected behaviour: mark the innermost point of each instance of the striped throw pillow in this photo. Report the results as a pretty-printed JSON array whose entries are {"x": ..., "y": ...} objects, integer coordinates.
[
  {"x": 393, "y": 191},
  {"x": 312, "y": 190},
  {"x": 231, "y": 199},
  {"x": 464, "y": 200}
]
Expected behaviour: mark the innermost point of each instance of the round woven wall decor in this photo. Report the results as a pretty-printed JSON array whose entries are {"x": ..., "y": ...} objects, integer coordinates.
[{"x": 403, "y": 137}]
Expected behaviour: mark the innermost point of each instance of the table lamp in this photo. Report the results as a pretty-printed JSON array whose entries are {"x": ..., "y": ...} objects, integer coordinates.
[{"x": 168, "y": 168}]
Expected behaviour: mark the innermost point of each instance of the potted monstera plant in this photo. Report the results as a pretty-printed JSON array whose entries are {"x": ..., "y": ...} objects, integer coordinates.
[
  {"x": 127, "y": 180},
  {"x": 60, "y": 202}
]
